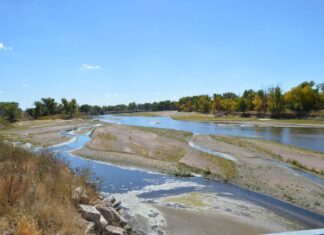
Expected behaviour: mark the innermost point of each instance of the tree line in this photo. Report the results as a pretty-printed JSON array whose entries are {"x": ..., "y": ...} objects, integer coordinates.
[
  {"x": 48, "y": 106},
  {"x": 301, "y": 99}
]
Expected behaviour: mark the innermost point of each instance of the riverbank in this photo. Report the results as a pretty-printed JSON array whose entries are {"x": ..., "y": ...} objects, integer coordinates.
[
  {"x": 39, "y": 194},
  {"x": 41, "y": 132},
  {"x": 232, "y": 119}
]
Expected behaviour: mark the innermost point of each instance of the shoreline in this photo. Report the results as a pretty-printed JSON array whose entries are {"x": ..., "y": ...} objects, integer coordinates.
[{"x": 230, "y": 120}]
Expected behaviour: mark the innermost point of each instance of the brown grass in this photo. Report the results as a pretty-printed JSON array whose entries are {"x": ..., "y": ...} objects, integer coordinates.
[{"x": 36, "y": 193}]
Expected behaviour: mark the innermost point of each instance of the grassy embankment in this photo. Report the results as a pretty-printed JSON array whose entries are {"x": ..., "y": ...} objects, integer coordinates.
[{"x": 36, "y": 194}]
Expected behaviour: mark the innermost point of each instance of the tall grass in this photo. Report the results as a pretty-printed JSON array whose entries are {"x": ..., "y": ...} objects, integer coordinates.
[{"x": 36, "y": 193}]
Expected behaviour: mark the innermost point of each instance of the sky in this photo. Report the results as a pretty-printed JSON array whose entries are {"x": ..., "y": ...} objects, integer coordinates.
[{"x": 108, "y": 52}]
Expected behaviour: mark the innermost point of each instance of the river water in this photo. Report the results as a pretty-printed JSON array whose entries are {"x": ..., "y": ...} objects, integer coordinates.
[
  {"x": 309, "y": 138},
  {"x": 139, "y": 186}
]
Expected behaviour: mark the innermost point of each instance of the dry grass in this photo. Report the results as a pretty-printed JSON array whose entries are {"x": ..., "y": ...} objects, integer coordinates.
[{"x": 36, "y": 193}]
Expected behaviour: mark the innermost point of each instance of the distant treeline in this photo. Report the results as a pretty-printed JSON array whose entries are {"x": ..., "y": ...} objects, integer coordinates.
[
  {"x": 299, "y": 100},
  {"x": 131, "y": 107}
]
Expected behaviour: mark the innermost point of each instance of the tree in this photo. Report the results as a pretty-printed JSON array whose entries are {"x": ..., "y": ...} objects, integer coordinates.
[
  {"x": 216, "y": 103},
  {"x": 49, "y": 106},
  {"x": 242, "y": 105},
  {"x": 10, "y": 111},
  {"x": 302, "y": 98},
  {"x": 249, "y": 95},
  {"x": 275, "y": 100},
  {"x": 204, "y": 104},
  {"x": 260, "y": 101}
]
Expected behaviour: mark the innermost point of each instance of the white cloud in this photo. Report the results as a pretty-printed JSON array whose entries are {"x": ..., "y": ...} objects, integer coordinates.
[
  {"x": 4, "y": 47},
  {"x": 1, "y": 91},
  {"x": 90, "y": 67}
]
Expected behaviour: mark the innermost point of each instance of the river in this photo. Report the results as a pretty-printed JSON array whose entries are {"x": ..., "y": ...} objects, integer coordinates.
[
  {"x": 308, "y": 138},
  {"x": 136, "y": 187}
]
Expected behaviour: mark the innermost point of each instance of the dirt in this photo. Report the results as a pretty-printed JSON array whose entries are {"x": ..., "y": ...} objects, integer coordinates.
[
  {"x": 207, "y": 213},
  {"x": 42, "y": 132},
  {"x": 257, "y": 170},
  {"x": 149, "y": 148}
]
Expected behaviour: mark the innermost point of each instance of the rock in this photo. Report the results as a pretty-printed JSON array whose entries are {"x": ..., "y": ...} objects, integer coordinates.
[
  {"x": 80, "y": 195},
  {"x": 113, "y": 230},
  {"x": 128, "y": 230},
  {"x": 89, "y": 213},
  {"x": 106, "y": 212},
  {"x": 116, "y": 204},
  {"x": 111, "y": 199},
  {"x": 102, "y": 223},
  {"x": 107, "y": 202},
  {"x": 118, "y": 208},
  {"x": 90, "y": 228},
  {"x": 118, "y": 218}
]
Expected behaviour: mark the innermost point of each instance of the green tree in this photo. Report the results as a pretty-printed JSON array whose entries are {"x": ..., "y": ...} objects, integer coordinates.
[
  {"x": 303, "y": 97},
  {"x": 242, "y": 105},
  {"x": 204, "y": 104},
  {"x": 10, "y": 111},
  {"x": 275, "y": 100}
]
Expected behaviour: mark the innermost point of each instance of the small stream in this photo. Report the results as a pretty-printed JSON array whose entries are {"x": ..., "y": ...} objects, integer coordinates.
[{"x": 141, "y": 186}]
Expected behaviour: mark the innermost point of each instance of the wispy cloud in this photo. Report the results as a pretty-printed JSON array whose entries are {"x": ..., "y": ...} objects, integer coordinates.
[
  {"x": 90, "y": 67},
  {"x": 1, "y": 91},
  {"x": 4, "y": 47},
  {"x": 25, "y": 85}
]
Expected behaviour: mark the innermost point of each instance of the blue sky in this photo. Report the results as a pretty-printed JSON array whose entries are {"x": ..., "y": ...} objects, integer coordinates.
[{"x": 108, "y": 52}]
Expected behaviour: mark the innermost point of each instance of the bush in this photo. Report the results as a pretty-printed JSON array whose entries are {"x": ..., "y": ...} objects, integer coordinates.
[{"x": 36, "y": 193}]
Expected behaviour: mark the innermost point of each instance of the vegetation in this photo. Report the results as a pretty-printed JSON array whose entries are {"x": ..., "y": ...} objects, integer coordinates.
[
  {"x": 36, "y": 193},
  {"x": 48, "y": 106},
  {"x": 9, "y": 112},
  {"x": 131, "y": 107},
  {"x": 297, "y": 102},
  {"x": 300, "y": 100},
  {"x": 298, "y": 165}
]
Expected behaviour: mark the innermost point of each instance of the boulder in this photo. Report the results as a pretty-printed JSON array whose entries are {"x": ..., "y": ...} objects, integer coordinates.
[
  {"x": 107, "y": 202},
  {"x": 111, "y": 199},
  {"x": 116, "y": 204},
  {"x": 90, "y": 228},
  {"x": 89, "y": 213},
  {"x": 106, "y": 212},
  {"x": 102, "y": 223},
  {"x": 118, "y": 218},
  {"x": 113, "y": 230}
]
